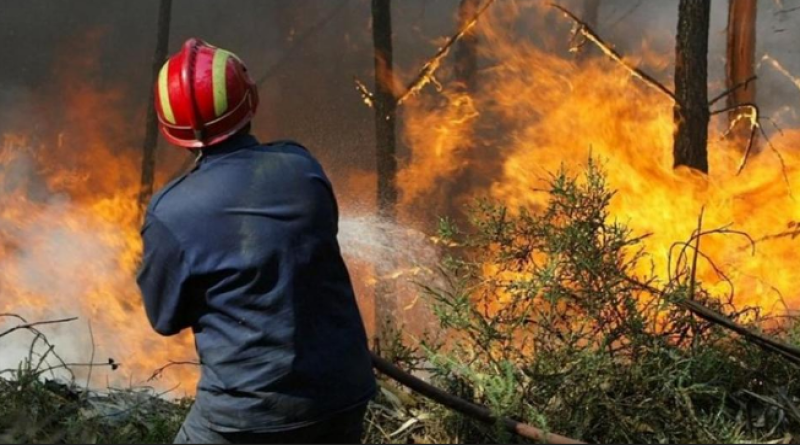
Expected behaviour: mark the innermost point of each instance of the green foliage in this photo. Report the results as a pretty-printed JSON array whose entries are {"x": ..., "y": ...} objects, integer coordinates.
[{"x": 548, "y": 319}]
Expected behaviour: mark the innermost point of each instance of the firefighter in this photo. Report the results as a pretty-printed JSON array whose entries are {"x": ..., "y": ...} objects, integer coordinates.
[{"x": 243, "y": 251}]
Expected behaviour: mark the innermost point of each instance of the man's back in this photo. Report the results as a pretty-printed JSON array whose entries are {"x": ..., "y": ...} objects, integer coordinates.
[{"x": 243, "y": 250}]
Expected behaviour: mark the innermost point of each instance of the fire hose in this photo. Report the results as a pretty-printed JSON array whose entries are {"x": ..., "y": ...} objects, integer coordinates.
[{"x": 465, "y": 407}]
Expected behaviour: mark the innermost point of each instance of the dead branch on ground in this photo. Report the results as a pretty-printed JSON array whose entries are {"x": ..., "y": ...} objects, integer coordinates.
[{"x": 791, "y": 353}]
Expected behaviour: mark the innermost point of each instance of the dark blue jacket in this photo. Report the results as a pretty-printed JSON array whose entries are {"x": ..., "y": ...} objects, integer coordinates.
[{"x": 243, "y": 250}]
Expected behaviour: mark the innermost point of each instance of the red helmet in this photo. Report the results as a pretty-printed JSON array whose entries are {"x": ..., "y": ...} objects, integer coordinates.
[{"x": 203, "y": 95}]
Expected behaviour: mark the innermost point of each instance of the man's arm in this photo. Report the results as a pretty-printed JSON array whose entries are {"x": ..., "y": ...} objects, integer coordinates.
[{"x": 163, "y": 279}]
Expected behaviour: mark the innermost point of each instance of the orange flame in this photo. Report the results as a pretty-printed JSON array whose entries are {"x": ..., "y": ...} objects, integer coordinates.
[
  {"x": 69, "y": 234},
  {"x": 546, "y": 109}
]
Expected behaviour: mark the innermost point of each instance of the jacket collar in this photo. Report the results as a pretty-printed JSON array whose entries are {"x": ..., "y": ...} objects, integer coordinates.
[{"x": 230, "y": 145}]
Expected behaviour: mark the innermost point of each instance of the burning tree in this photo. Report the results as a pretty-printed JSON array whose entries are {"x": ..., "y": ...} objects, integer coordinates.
[
  {"x": 386, "y": 99},
  {"x": 385, "y": 105},
  {"x": 740, "y": 61},
  {"x": 691, "y": 106},
  {"x": 691, "y": 85}
]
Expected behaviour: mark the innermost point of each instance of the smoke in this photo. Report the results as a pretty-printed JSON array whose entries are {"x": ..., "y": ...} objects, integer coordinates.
[
  {"x": 50, "y": 247},
  {"x": 67, "y": 255}
]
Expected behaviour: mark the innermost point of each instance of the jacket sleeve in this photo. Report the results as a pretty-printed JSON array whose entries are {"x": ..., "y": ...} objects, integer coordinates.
[{"x": 163, "y": 278}]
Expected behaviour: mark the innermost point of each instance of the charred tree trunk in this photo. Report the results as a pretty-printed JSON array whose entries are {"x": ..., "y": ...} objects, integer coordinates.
[
  {"x": 385, "y": 107},
  {"x": 151, "y": 135},
  {"x": 385, "y": 103},
  {"x": 467, "y": 50},
  {"x": 741, "y": 55},
  {"x": 691, "y": 112}
]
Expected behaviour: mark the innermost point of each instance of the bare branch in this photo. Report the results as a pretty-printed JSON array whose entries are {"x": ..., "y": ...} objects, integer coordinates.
[
  {"x": 585, "y": 30},
  {"x": 366, "y": 94},
  {"x": 111, "y": 365},
  {"x": 38, "y": 336},
  {"x": 33, "y": 325},
  {"x": 753, "y": 115},
  {"x": 426, "y": 74},
  {"x": 781, "y": 160},
  {"x": 780, "y": 68},
  {"x": 158, "y": 372},
  {"x": 18, "y": 317},
  {"x": 731, "y": 90}
]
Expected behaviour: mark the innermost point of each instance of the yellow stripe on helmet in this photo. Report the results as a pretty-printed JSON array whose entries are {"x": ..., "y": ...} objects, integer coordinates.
[
  {"x": 219, "y": 79},
  {"x": 163, "y": 93}
]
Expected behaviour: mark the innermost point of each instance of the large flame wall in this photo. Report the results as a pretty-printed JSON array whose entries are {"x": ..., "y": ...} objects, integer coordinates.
[{"x": 538, "y": 107}]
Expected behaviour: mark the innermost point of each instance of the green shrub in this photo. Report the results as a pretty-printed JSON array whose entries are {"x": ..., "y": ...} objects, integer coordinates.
[{"x": 545, "y": 319}]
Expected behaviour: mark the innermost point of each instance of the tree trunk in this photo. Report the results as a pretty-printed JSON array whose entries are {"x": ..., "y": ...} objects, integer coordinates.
[
  {"x": 467, "y": 49},
  {"x": 151, "y": 135},
  {"x": 691, "y": 113},
  {"x": 385, "y": 103},
  {"x": 741, "y": 63},
  {"x": 385, "y": 107}
]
